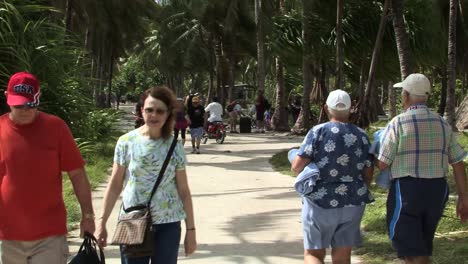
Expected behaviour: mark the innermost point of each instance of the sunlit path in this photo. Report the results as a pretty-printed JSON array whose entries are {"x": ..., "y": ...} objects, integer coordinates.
[{"x": 245, "y": 212}]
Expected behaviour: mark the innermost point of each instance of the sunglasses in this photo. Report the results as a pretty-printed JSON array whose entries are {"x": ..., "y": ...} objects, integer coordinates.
[
  {"x": 25, "y": 107},
  {"x": 159, "y": 111}
]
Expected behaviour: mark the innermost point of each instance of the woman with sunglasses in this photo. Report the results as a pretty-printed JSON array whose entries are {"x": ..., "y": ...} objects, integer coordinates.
[{"x": 139, "y": 155}]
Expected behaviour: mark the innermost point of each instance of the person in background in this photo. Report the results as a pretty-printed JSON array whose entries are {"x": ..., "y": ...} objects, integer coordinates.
[
  {"x": 138, "y": 114},
  {"x": 139, "y": 155},
  {"x": 234, "y": 110},
  {"x": 418, "y": 145},
  {"x": 35, "y": 148},
  {"x": 295, "y": 107},
  {"x": 215, "y": 109},
  {"x": 332, "y": 212},
  {"x": 196, "y": 115},
  {"x": 181, "y": 120},
  {"x": 261, "y": 105}
]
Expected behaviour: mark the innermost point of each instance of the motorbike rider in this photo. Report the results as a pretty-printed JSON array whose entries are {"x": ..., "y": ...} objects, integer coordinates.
[{"x": 215, "y": 110}]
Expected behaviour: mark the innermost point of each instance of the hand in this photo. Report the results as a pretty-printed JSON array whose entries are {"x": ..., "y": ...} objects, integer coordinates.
[
  {"x": 101, "y": 235},
  {"x": 87, "y": 225},
  {"x": 462, "y": 208},
  {"x": 190, "y": 242}
]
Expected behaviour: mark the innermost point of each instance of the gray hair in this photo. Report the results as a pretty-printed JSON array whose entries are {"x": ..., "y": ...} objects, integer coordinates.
[
  {"x": 339, "y": 114},
  {"x": 416, "y": 98}
]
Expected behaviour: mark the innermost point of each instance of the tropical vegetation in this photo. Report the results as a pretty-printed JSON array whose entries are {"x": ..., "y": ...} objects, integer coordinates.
[{"x": 91, "y": 53}]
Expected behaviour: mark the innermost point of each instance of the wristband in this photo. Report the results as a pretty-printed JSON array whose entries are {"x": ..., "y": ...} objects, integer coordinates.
[{"x": 88, "y": 216}]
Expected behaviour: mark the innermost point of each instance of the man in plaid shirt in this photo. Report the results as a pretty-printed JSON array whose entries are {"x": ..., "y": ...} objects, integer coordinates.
[{"x": 418, "y": 146}]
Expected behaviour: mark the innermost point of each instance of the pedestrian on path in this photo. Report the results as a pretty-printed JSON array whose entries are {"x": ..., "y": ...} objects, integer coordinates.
[
  {"x": 139, "y": 155},
  {"x": 418, "y": 145},
  {"x": 181, "y": 120},
  {"x": 261, "y": 105},
  {"x": 234, "y": 110},
  {"x": 197, "y": 121},
  {"x": 332, "y": 212},
  {"x": 35, "y": 147}
]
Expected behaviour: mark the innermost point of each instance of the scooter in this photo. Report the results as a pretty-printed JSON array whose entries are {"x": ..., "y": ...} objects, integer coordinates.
[{"x": 216, "y": 130}]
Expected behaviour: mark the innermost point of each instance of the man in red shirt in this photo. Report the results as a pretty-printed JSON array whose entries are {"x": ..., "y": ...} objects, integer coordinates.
[{"x": 35, "y": 148}]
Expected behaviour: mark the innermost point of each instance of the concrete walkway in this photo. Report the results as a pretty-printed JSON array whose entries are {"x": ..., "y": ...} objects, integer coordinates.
[{"x": 245, "y": 212}]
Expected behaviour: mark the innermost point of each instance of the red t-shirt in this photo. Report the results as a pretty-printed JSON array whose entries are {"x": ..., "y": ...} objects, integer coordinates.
[{"x": 32, "y": 158}]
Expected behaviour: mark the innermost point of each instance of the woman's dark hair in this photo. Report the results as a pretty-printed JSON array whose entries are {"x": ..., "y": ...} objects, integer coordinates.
[{"x": 165, "y": 95}]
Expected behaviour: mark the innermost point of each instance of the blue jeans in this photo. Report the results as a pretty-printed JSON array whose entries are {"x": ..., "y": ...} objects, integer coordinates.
[{"x": 166, "y": 246}]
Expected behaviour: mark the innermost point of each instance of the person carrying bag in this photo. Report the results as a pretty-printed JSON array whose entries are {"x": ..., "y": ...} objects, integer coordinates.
[
  {"x": 145, "y": 159},
  {"x": 133, "y": 231}
]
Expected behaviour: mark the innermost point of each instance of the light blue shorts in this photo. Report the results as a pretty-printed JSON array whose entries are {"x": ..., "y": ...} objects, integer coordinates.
[
  {"x": 196, "y": 132},
  {"x": 324, "y": 228}
]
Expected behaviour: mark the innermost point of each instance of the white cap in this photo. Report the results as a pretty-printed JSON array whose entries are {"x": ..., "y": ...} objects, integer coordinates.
[
  {"x": 339, "y": 100},
  {"x": 415, "y": 84}
]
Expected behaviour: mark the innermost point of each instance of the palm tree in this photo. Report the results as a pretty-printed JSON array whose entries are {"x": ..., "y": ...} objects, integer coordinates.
[
  {"x": 451, "y": 65},
  {"x": 260, "y": 45},
  {"x": 280, "y": 116},
  {"x": 339, "y": 45},
  {"x": 365, "y": 116},
  {"x": 402, "y": 39},
  {"x": 303, "y": 121}
]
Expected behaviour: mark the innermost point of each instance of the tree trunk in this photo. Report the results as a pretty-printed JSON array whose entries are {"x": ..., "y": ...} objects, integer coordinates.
[
  {"x": 451, "y": 65},
  {"x": 109, "y": 83},
  {"x": 231, "y": 79},
  {"x": 362, "y": 81},
  {"x": 443, "y": 91},
  {"x": 219, "y": 66},
  {"x": 391, "y": 101},
  {"x": 339, "y": 84},
  {"x": 260, "y": 45},
  {"x": 366, "y": 113},
  {"x": 302, "y": 122},
  {"x": 280, "y": 117},
  {"x": 209, "y": 96},
  {"x": 402, "y": 39},
  {"x": 323, "y": 117},
  {"x": 68, "y": 16}
]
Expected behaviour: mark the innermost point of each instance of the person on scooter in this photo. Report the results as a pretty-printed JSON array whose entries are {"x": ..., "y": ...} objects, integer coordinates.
[{"x": 215, "y": 109}]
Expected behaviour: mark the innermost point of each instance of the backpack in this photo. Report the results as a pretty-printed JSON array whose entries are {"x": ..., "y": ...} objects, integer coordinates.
[{"x": 230, "y": 107}]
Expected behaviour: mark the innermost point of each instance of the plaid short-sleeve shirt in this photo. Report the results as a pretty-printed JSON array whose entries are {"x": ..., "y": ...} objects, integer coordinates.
[{"x": 419, "y": 143}]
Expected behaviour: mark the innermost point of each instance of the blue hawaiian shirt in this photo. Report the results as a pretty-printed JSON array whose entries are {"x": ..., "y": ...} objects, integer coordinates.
[{"x": 341, "y": 151}]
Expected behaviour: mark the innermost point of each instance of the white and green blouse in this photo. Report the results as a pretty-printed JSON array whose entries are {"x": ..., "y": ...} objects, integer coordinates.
[{"x": 143, "y": 158}]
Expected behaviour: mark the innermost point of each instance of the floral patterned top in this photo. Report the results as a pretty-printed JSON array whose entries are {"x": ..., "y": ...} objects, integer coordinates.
[
  {"x": 143, "y": 158},
  {"x": 341, "y": 151}
]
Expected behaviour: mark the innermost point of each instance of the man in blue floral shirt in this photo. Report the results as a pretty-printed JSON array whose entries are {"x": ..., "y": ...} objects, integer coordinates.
[{"x": 332, "y": 213}]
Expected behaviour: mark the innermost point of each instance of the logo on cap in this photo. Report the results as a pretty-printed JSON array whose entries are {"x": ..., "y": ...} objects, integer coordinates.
[{"x": 23, "y": 89}]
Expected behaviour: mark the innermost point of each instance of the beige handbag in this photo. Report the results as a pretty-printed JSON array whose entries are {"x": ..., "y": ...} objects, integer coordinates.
[
  {"x": 131, "y": 227},
  {"x": 133, "y": 231}
]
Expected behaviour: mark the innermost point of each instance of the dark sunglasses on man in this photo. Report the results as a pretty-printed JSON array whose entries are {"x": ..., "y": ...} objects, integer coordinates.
[{"x": 26, "y": 106}]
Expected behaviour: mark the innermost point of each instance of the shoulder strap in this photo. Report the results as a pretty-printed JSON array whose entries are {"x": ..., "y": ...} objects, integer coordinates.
[{"x": 163, "y": 169}]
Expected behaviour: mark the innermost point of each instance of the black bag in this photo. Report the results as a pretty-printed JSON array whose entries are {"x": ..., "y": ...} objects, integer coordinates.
[
  {"x": 89, "y": 253},
  {"x": 146, "y": 248},
  {"x": 245, "y": 125}
]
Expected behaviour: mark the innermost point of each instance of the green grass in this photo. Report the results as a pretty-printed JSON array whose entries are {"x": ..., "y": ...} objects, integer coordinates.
[
  {"x": 97, "y": 166},
  {"x": 280, "y": 163},
  {"x": 450, "y": 244}
]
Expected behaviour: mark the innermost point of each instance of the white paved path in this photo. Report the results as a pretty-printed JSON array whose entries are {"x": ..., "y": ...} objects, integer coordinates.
[{"x": 245, "y": 212}]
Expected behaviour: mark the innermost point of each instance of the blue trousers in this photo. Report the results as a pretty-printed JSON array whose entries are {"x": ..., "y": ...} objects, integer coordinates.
[{"x": 166, "y": 246}]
